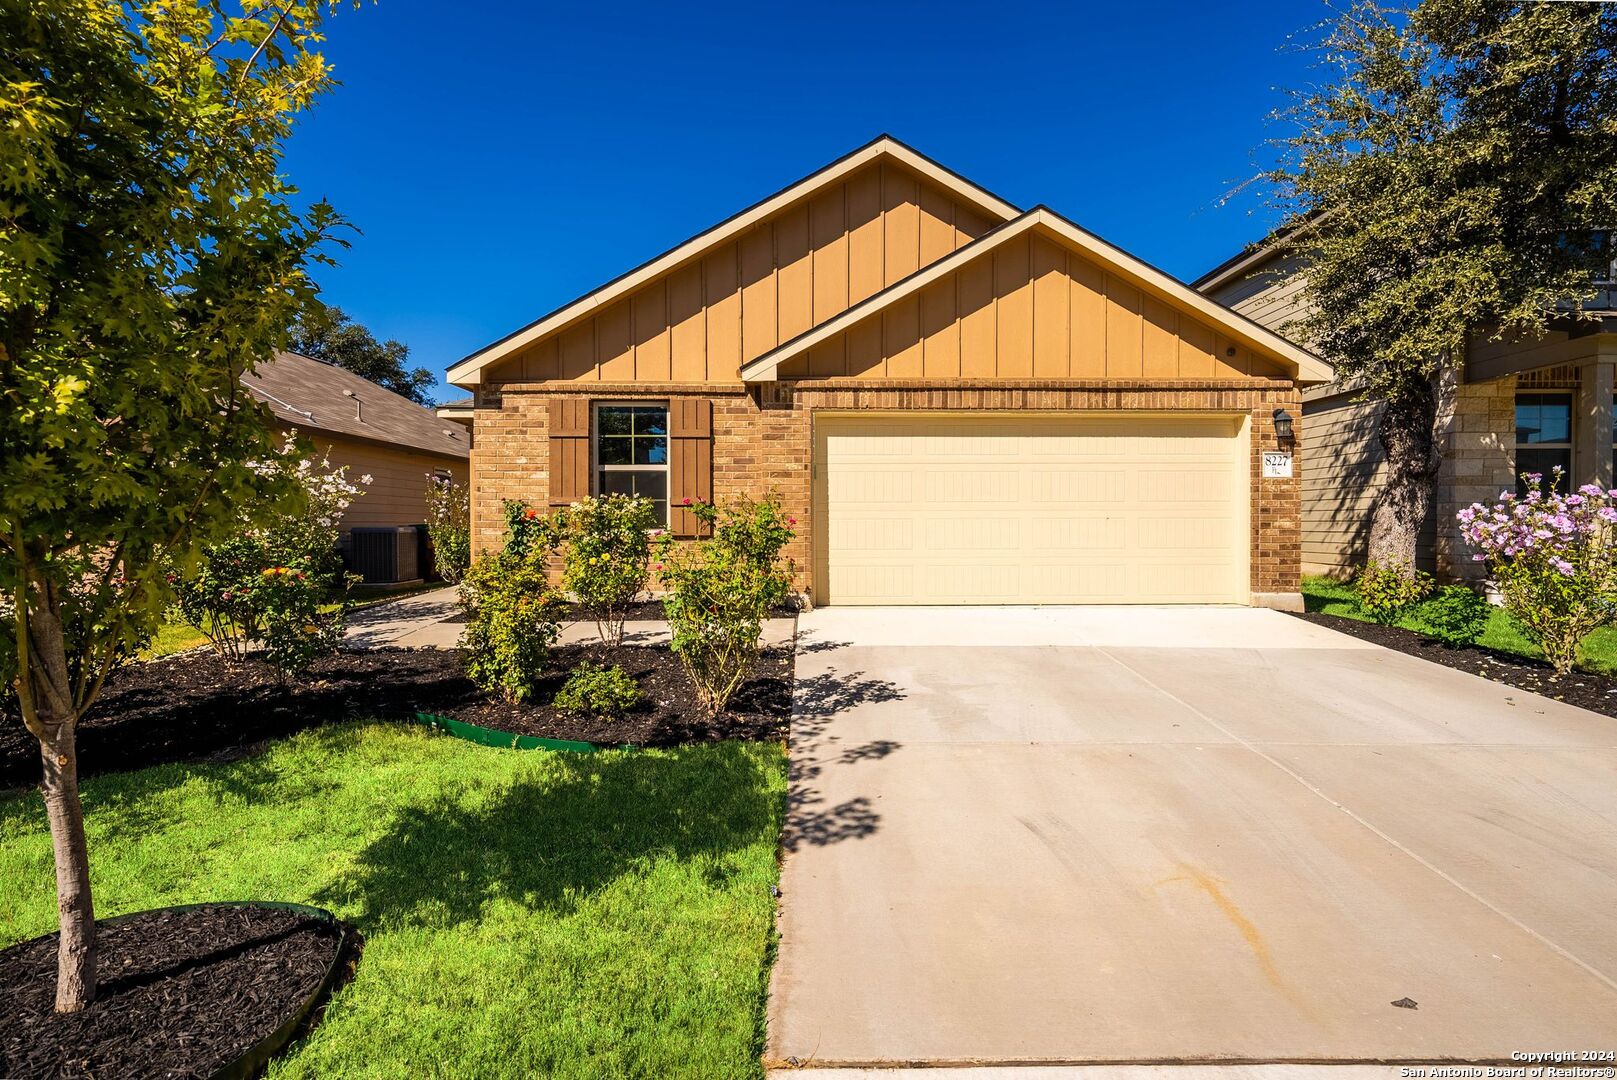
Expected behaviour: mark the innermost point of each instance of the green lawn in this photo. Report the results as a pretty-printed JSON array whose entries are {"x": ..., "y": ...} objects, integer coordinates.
[
  {"x": 1337, "y": 598},
  {"x": 524, "y": 913}
]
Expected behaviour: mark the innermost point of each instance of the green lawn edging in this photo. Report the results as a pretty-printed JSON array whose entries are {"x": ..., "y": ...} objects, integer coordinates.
[{"x": 505, "y": 740}]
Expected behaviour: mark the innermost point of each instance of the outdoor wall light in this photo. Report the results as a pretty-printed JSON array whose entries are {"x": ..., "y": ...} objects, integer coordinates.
[{"x": 1282, "y": 420}]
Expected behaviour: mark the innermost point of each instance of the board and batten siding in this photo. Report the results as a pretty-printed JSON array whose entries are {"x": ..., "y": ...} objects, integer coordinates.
[
  {"x": 397, "y": 493},
  {"x": 702, "y": 321},
  {"x": 1030, "y": 309}
]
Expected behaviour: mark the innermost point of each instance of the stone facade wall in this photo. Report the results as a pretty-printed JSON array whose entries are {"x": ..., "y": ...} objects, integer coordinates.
[
  {"x": 762, "y": 442},
  {"x": 1477, "y": 436}
]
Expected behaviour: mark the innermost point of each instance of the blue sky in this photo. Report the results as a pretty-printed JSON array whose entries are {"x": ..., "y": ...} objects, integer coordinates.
[{"x": 500, "y": 164}]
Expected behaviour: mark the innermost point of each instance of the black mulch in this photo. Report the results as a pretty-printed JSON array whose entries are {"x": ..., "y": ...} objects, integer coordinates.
[
  {"x": 180, "y": 993},
  {"x": 197, "y": 707},
  {"x": 1596, "y": 693}
]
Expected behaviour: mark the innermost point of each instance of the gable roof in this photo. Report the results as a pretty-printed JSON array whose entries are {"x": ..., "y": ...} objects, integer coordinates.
[
  {"x": 1307, "y": 367},
  {"x": 468, "y": 372},
  {"x": 314, "y": 396}
]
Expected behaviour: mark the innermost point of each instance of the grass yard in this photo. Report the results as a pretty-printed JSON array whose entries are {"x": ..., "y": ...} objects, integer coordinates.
[
  {"x": 524, "y": 913},
  {"x": 1337, "y": 598}
]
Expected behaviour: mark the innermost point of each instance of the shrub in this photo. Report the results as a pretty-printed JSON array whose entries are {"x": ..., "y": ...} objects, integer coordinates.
[
  {"x": 608, "y": 551},
  {"x": 1551, "y": 557},
  {"x": 449, "y": 525},
  {"x": 279, "y": 586},
  {"x": 1455, "y": 615},
  {"x": 1387, "y": 590},
  {"x": 511, "y": 608},
  {"x": 592, "y": 690},
  {"x": 720, "y": 590}
]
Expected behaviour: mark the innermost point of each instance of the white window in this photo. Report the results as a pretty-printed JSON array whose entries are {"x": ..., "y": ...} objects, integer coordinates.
[{"x": 631, "y": 452}]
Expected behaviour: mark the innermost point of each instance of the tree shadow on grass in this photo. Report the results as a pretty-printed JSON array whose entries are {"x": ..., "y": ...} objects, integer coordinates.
[{"x": 558, "y": 835}]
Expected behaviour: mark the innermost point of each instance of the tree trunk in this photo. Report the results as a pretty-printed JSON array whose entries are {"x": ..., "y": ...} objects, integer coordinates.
[
  {"x": 76, "y": 954},
  {"x": 1409, "y": 445},
  {"x": 49, "y": 712}
]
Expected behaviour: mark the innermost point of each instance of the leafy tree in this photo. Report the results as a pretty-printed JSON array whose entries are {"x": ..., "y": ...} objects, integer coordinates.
[
  {"x": 329, "y": 334},
  {"x": 150, "y": 252},
  {"x": 1445, "y": 181}
]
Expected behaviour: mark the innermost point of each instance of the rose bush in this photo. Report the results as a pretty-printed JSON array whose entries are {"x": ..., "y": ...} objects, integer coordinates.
[
  {"x": 279, "y": 587},
  {"x": 608, "y": 550},
  {"x": 511, "y": 608},
  {"x": 721, "y": 589},
  {"x": 1550, "y": 555}
]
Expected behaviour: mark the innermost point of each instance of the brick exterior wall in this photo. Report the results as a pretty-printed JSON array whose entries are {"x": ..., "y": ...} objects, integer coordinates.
[{"x": 762, "y": 442}]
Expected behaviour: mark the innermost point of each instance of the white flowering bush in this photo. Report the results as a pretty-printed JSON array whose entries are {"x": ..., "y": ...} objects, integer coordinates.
[
  {"x": 449, "y": 525},
  {"x": 278, "y": 585},
  {"x": 1551, "y": 557}
]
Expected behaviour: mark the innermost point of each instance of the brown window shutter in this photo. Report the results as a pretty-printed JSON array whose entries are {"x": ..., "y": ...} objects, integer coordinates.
[
  {"x": 569, "y": 450},
  {"x": 690, "y": 462}
]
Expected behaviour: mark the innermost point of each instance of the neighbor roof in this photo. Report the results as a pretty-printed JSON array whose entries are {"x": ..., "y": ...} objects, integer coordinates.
[
  {"x": 314, "y": 396},
  {"x": 1307, "y": 367},
  {"x": 468, "y": 372}
]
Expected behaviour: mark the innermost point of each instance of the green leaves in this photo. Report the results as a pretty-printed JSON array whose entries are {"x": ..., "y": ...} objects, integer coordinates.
[
  {"x": 1432, "y": 180},
  {"x": 151, "y": 251}
]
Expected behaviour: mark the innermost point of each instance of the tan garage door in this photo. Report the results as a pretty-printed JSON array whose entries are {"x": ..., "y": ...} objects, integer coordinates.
[{"x": 1007, "y": 508}]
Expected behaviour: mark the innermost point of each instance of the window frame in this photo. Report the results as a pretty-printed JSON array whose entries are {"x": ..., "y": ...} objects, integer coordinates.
[
  {"x": 1570, "y": 445},
  {"x": 597, "y": 467}
]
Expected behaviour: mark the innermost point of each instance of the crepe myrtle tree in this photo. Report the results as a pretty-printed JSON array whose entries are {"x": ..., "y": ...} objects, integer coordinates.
[
  {"x": 1450, "y": 173},
  {"x": 150, "y": 253}
]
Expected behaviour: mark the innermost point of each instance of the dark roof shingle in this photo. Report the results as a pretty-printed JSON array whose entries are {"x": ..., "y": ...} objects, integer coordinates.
[{"x": 310, "y": 396}]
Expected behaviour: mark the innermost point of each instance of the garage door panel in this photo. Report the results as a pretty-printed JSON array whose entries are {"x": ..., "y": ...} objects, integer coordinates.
[{"x": 1015, "y": 509}]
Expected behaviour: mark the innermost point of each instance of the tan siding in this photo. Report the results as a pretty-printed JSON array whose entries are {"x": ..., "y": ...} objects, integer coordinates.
[
  {"x": 1030, "y": 309},
  {"x": 702, "y": 321},
  {"x": 1271, "y": 295},
  {"x": 396, "y": 494}
]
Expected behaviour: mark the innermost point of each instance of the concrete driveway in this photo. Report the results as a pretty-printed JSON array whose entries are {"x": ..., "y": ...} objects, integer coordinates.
[{"x": 1160, "y": 835}]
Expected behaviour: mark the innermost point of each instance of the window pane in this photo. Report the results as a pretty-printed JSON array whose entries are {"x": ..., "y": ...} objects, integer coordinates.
[
  {"x": 614, "y": 421},
  {"x": 650, "y": 451},
  {"x": 650, "y": 483},
  {"x": 651, "y": 421},
  {"x": 616, "y": 450},
  {"x": 1543, "y": 418},
  {"x": 1544, "y": 462}
]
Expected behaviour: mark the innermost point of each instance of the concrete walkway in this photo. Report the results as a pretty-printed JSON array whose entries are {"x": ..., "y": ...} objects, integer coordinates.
[
  {"x": 1090, "y": 836},
  {"x": 433, "y": 620}
]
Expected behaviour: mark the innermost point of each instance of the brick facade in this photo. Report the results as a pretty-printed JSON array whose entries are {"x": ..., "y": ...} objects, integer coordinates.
[{"x": 762, "y": 441}]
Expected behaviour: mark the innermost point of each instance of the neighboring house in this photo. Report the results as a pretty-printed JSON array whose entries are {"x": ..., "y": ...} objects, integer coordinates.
[
  {"x": 959, "y": 401},
  {"x": 373, "y": 431},
  {"x": 1517, "y": 406}
]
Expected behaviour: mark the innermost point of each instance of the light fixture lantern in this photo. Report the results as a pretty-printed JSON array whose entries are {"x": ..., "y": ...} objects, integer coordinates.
[{"x": 1282, "y": 420}]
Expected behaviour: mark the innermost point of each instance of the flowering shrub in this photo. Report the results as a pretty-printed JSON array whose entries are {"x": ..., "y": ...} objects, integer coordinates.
[
  {"x": 720, "y": 590},
  {"x": 1389, "y": 589},
  {"x": 1456, "y": 615},
  {"x": 608, "y": 549},
  {"x": 278, "y": 586},
  {"x": 1551, "y": 557},
  {"x": 511, "y": 608},
  {"x": 449, "y": 525},
  {"x": 592, "y": 690}
]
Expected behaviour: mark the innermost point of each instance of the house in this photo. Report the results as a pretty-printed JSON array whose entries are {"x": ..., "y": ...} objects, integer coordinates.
[
  {"x": 1515, "y": 406},
  {"x": 960, "y": 401},
  {"x": 373, "y": 431}
]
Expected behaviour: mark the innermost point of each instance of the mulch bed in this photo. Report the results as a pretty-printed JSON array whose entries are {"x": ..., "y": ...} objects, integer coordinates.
[
  {"x": 179, "y": 994},
  {"x": 1596, "y": 693},
  {"x": 197, "y": 707}
]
